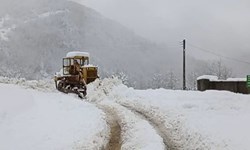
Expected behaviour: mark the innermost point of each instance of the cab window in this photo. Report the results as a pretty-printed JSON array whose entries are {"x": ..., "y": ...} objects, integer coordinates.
[{"x": 66, "y": 62}]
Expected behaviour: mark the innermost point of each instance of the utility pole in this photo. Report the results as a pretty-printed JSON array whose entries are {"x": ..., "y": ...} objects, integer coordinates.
[{"x": 184, "y": 64}]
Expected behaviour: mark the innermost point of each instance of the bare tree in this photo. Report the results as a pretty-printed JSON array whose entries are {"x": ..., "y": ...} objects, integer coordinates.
[{"x": 219, "y": 69}]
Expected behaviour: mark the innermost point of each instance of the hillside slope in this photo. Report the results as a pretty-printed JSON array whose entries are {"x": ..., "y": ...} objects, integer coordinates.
[{"x": 37, "y": 34}]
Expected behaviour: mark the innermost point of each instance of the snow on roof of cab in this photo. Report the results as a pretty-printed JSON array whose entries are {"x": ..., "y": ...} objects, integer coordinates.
[{"x": 77, "y": 53}]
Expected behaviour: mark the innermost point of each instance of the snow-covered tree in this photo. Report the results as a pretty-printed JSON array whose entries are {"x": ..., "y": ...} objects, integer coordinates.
[
  {"x": 158, "y": 81},
  {"x": 122, "y": 76},
  {"x": 219, "y": 69},
  {"x": 192, "y": 80},
  {"x": 172, "y": 80},
  {"x": 167, "y": 81}
]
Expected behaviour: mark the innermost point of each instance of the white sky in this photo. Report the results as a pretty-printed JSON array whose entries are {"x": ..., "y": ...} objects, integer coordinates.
[{"x": 217, "y": 25}]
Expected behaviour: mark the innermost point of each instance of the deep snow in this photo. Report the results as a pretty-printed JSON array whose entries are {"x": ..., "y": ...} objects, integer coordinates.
[
  {"x": 30, "y": 119},
  {"x": 149, "y": 119},
  {"x": 206, "y": 120}
]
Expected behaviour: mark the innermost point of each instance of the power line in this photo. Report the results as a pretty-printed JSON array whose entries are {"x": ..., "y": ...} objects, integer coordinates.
[{"x": 219, "y": 55}]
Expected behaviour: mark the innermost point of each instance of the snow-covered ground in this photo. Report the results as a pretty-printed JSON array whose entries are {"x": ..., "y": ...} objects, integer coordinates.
[
  {"x": 30, "y": 119},
  {"x": 34, "y": 118},
  {"x": 190, "y": 119}
]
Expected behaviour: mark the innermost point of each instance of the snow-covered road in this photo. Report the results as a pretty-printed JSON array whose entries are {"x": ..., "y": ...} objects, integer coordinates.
[
  {"x": 119, "y": 117},
  {"x": 182, "y": 120},
  {"x": 145, "y": 127}
]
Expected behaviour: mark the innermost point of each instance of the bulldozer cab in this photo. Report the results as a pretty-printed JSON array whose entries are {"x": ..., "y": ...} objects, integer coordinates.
[
  {"x": 77, "y": 63},
  {"x": 73, "y": 65}
]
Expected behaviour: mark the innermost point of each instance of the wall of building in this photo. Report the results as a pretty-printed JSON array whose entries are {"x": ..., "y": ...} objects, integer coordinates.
[{"x": 233, "y": 86}]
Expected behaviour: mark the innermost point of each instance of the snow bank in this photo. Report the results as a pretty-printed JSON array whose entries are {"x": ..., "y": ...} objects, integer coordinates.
[
  {"x": 98, "y": 90},
  {"x": 41, "y": 85},
  {"x": 31, "y": 119}
]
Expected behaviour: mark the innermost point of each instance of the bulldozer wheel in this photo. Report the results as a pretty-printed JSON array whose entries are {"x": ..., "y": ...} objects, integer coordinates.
[
  {"x": 83, "y": 92},
  {"x": 60, "y": 85}
]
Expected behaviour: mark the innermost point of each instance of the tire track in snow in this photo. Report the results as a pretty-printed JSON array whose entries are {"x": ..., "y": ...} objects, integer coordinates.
[
  {"x": 172, "y": 140},
  {"x": 172, "y": 133},
  {"x": 115, "y": 129},
  {"x": 158, "y": 126},
  {"x": 134, "y": 129},
  {"x": 170, "y": 126}
]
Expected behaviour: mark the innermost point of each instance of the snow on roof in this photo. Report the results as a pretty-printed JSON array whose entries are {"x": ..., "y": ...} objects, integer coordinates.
[
  {"x": 77, "y": 53},
  {"x": 209, "y": 77},
  {"x": 237, "y": 79},
  {"x": 215, "y": 78}
]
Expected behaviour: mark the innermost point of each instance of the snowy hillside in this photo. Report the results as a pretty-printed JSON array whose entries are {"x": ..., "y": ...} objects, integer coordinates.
[
  {"x": 36, "y": 35},
  {"x": 117, "y": 117}
]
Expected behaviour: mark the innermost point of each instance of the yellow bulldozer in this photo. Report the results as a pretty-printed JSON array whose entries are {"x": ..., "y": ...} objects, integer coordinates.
[{"x": 75, "y": 74}]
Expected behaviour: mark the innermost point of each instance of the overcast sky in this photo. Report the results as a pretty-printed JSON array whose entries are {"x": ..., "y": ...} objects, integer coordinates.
[{"x": 217, "y": 25}]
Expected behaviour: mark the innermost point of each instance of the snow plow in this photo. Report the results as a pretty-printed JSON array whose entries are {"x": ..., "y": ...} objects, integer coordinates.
[{"x": 75, "y": 74}]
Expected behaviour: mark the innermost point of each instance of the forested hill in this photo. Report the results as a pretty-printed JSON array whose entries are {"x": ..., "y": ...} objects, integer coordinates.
[{"x": 35, "y": 35}]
